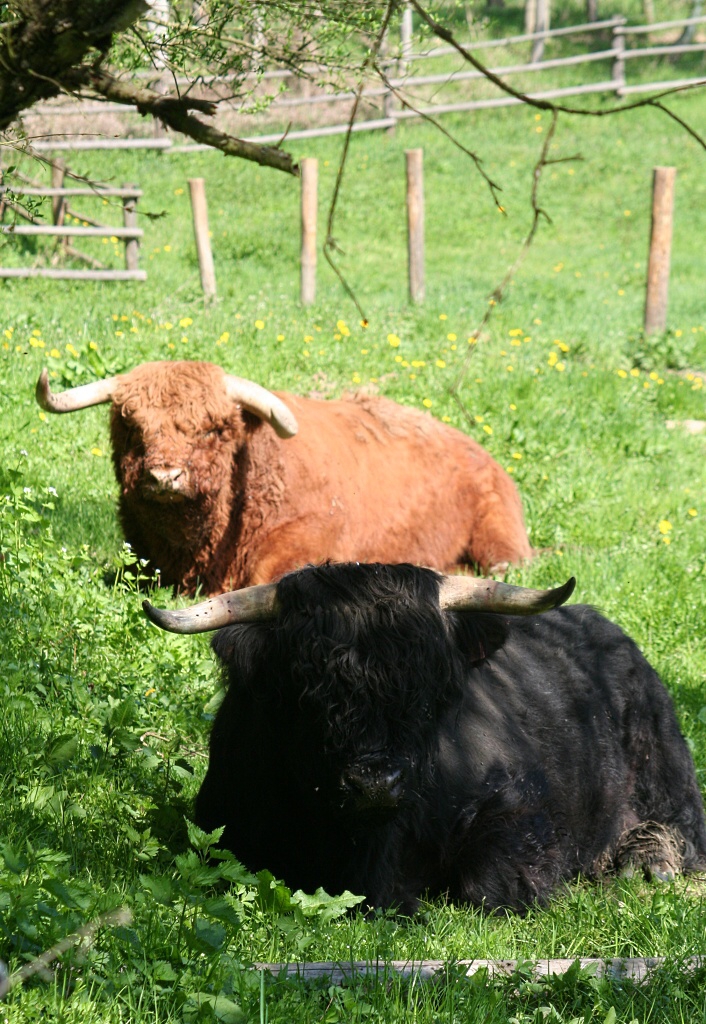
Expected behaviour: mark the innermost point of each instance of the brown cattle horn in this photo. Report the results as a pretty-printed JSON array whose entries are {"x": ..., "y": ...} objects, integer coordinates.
[
  {"x": 457, "y": 593},
  {"x": 263, "y": 403},
  {"x": 75, "y": 398},
  {"x": 468, "y": 593},
  {"x": 251, "y": 604}
]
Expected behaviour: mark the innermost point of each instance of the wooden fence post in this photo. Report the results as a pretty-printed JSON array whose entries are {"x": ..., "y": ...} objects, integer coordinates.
[
  {"x": 405, "y": 40},
  {"x": 617, "y": 73},
  {"x": 199, "y": 210},
  {"x": 132, "y": 245},
  {"x": 310, "y": 178},
  {"x": 58, "y": 203},
  {"x": 660, "y": 249},
  {"x": 415, "y": 223},
  {"x": 542, "y": 19}
]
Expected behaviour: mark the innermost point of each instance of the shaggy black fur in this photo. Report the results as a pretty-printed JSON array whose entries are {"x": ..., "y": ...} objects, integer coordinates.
[{"x": 506, "y": 754}]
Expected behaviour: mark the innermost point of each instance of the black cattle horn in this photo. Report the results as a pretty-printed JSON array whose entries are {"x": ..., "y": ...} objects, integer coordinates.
[
  {"x": 82, "y": 397},
  {"x": 457, "y": 593}
]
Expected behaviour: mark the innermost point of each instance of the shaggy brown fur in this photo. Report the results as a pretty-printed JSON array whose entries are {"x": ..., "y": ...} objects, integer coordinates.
[{"x": 364, "y": 479}]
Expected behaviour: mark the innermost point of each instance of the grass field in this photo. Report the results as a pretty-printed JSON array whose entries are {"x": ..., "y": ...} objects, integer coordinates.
[{"x": 561, "y": 388}]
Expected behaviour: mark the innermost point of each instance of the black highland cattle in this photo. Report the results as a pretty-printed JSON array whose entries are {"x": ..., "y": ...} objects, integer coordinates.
[{"x": 372, "y": 739}]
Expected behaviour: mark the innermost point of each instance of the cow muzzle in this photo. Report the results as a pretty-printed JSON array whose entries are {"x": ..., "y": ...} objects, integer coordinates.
[
  {"x": 166, "y": 484},
  {"x": 374, "y": 784}
]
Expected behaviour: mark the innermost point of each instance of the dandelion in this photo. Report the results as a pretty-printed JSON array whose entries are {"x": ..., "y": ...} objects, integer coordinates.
[
  {"x": 513, "y": 406},
  {"x": 665, "y": 526},
  {"x": 560, "y": 367},
  {"x": 692, "y": 512},
  {"x": 153, "y": 689},
  {"x": 167, "y": 326},
  {"x": 305, "y": 352},
  {"x": 443, "y": 316},
  {"x": 186, "y": 321},
  {"x": 363, "y": 323},
  {"x": 487, "y": 429},
  {"x": 93, "y": 346},
  {"x": 451, "y": 337},
  {"x": 97, "y": 452},
  {"x": 393, "y": 340},
  {"x": 634, "y": 372},
  {"x": 654, "y": 376},
  {"x": 418, "y": 363},
  {"x": 337, "y": 337},
  {"x": 167, "y": 248},
  {"x": 553, "y": 358},
  {"x": 622, "y": 373},
  {"x": 113, "y": 239},
  {"x": 621, "y": 291},
  {"x": 537, "y": 321},
  {"x": 364, "y": 351},
  {"x": 441, "y": 363},
  {"x": 343, "y": 328},
  {"x": 280, "y": 337},
  {"x": 42, "y": 416},
  {"x": 178, "y": 191},
  {"x": 561, "y": 345},
  {"x": 445, "y": 419},
  {"x": 398, "y": 359},
  {"x": 627, "y": 213},
  {"x": 71, "y": 350},
  {"x": 260, "y": 324},
  {"x": 308, "y": 338},
  {"x": 510, "y": 369},
  {"x": 427, "y": 402},
  {"x": 517, "y": 455},
  {"x": 678, "y": 334},
  {"x": 558, "y": 267},
  {"x": 478, "y": 419}
]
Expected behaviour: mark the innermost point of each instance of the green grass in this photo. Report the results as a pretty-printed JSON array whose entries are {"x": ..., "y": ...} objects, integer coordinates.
[{"x": 93, "y": 818}]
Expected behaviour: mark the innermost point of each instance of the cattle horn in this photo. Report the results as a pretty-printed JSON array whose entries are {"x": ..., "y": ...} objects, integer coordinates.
[
  {"x": 251, "y": 604},
  {"x": 262, "y": 403},
  {"x": 75, "y": 398},
  {"x": 468, "y": 593},
  {"x": 457, "y": 593}
]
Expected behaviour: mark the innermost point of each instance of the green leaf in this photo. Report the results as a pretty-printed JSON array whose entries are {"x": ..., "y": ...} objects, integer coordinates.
[
  {"x": 62, "y": 749},
  {"x": 209, "y": 933},
  {"x": 326, "y": 908},
  {"x": 224, "y": 1010},
  {"x": 610, "y": 1017},
  {"x": 273, "y": 896},
  {"x": 160, "y": 887},
  {"x": 201, "y": 840},
  {"x": 122, "y": 715}
]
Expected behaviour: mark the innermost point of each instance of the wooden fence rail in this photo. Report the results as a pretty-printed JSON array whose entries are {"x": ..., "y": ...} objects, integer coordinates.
[
  {"x": 618, "y": 53},
  {"x": 129, "y": 233}
]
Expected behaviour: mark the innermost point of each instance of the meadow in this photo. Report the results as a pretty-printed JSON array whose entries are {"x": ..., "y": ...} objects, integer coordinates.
[{"x": 105, "y": 721}]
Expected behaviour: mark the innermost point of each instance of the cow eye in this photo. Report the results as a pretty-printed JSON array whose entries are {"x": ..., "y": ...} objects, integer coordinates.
[{"x": 212, "y": 432}]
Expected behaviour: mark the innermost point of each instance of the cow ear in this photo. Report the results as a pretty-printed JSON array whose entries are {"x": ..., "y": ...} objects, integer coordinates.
[
  {"x": 477, "y": 636},
  {"x": 241, "y": 648}
]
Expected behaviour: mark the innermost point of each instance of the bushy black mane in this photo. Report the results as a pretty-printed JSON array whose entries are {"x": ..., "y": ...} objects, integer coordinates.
[{"x": 364, "y": 643}]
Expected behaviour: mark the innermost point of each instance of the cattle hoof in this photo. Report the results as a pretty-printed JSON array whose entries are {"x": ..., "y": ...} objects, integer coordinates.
[
  {"x": 661, "y": 871},
  {"x": 654, "y": 848}
]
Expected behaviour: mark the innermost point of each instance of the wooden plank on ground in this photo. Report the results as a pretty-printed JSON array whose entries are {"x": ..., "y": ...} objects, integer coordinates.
[{"x": 638, "y": 969}]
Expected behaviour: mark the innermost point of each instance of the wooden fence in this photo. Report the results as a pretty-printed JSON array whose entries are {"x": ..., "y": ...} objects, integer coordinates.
[
  {"x": 617, "y": 57},
  {"x": 129, "y": 233}
]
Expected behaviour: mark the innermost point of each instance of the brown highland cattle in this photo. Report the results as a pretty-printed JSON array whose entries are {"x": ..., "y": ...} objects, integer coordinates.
[{"x": 216, "y": 489}]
